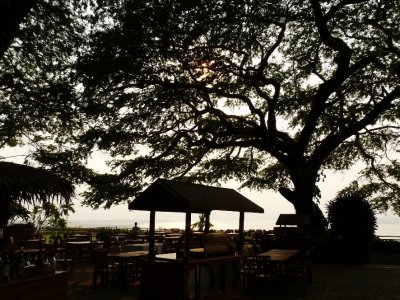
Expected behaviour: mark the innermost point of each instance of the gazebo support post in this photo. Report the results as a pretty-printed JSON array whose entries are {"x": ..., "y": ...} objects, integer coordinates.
[
  {"x": 151, "y": 233},
  {"x": 241, "y": 233},
  {"x": 187, "y": 234},
  {"x": 207, "y": 222}
]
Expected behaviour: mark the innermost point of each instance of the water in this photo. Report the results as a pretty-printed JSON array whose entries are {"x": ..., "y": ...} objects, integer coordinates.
[
  {"x": 384, "y": 229},
  {"x": 145, "y": 224}
]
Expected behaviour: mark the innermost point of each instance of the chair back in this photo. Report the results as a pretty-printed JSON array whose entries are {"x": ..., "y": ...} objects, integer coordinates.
[
  {"x": 261, "y": 265},
  {"x": 248, "y": 250},
  {"x": 100, "y": 259}
]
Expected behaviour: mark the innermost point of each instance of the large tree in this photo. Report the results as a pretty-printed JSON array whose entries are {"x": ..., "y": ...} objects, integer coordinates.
[
  {"x": 22, "y": 184},
  {"x": 12, "y": 12},
  {"x": 270, "y": 93},
  {"x": 37, "y": 49}
]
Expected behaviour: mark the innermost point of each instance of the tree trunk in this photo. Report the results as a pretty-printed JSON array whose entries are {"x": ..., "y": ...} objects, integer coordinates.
[{"x": 302, "y": 197}]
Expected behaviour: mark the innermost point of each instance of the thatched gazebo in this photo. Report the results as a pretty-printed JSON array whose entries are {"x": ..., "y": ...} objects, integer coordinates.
[
  {"x": 174, "y": 196},
  {"x": 25, "y": 184},
  {"x": 211, "y": 272}
]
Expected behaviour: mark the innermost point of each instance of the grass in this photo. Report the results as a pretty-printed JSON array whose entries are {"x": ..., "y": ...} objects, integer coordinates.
[{"x": 385, "y": 258}]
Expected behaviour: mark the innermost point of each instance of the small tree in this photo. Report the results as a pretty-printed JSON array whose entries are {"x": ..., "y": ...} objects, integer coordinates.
[
  {"x": 50, "y": 217},
  {"x": 352, "y": 226},
  {"x": 201, "y": 223}
]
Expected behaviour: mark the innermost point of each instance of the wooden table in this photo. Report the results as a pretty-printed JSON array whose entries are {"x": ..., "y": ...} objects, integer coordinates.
[
  {"x": 282, "y": 258},
  {"x": 212, "y": 278},
  {"x": 79, "y": 248},
  {"x": 123, "y": 259},
  {"x": 123, "y": 256},
  {"x": 78, "y": 243},
  {"x": 49, "y": 286},
  {"x": 82, "y": 237},
  {"x": 33, "y": 250},
  {"x": 173, "y": 235},
  {"x": 145, "y": 247},
  {"x": 32, "y": 243},
  {"x": 142, "y": 236},
  {"x": 281, "y": 255}
]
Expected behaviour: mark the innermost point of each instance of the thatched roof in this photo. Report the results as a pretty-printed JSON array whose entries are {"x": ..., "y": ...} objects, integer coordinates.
[
  {"x": 173, "y": 196},
  {"x": 293, "y": 219},
  {"x": 21, "y": 183}
]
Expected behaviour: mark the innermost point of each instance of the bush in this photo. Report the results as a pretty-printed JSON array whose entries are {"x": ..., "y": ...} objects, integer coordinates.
[
  {"x": 386, "y": 246},
  {"x": 20, "y": 231},
  {"x": 104, "y": 233},
  {"x": 265, "y": 240},
  {"x": 352, "y": 228}
]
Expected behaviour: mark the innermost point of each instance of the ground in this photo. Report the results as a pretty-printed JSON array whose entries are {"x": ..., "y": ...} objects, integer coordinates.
[{"x": 329, "y": 282}]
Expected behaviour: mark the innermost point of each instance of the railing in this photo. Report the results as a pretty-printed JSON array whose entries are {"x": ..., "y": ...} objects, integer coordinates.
[{"x": 389, "y": 237}]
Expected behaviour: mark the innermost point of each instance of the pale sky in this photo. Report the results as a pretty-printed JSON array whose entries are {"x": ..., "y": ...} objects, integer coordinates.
[{"x": 273, "y": 204}]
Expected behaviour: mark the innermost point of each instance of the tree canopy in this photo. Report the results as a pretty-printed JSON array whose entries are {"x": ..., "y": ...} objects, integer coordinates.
[
  {"x": 270, "y": 93},
  {"x": 20, "y": 183},
  {"x": 35, "y": 96},
  {"x": 11, "y": 15}
]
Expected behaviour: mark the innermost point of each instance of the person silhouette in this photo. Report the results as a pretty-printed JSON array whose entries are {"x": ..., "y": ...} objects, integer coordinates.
[{"x": 135, "y": 230}]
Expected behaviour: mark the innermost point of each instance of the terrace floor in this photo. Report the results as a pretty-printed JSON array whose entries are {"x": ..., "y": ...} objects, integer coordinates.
[{"x": 330, "y": 282}]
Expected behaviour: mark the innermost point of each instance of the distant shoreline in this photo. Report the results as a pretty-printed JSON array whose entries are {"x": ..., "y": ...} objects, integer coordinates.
[
  {"x": 382, "y": 230},
  {"x": 79, "y": 228}
]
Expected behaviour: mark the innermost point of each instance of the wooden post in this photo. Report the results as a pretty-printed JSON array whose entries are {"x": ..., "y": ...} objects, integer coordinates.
[
  {"x": 187, "y": 234},
  {"x": 151, "y": 233},
  {"x": 241, "y": 233},
  {"x": 207, "y": 222}
]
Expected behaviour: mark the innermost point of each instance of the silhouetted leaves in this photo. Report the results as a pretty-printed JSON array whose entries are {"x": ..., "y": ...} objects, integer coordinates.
[{"x": 271, "y": 93}]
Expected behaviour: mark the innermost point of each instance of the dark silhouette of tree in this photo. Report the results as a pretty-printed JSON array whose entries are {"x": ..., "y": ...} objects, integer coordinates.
[
  {"x": 26, "y": 50},
  {"x": 352, "y": 226},
  {"x": 12, "y": 12},
  {"x": 272, "y": 94},
  {"x": 35, "y": 63}
]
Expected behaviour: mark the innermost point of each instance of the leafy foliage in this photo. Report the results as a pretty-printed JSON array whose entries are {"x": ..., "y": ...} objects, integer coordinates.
[
  {"x": 36, "y": 99},
  {"x": 201, "y": 223},
  {"x": 271, "y": 93},
  {"x": 352, "y": 225},
  {"x": 351, "y": 217},
  {"x": 17, "y": 211},
  {"x": 51, "y": 218}
]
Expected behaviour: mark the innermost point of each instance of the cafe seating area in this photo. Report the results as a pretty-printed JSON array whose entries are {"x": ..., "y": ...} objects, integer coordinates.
[
  {"x": 188, "y": 264},
  {"x": 117, "y": 260},
  {"x": 328, "y": 282},
  {"x": 298, "y": 277}
]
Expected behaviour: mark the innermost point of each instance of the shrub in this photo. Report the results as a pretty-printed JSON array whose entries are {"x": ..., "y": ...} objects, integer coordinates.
[
  {"x": 386, "y": 246},
  {"x": 352, "y": 227}
]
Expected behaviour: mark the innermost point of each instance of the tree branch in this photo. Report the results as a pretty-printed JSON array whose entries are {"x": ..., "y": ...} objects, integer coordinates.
[
  {"x": 327, "y": 88},
  {"x": 331, "y": 142},
  {"x": 335, "y": 8}
]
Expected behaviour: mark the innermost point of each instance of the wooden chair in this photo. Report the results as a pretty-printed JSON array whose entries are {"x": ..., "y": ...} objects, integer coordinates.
[
  {"x": 85, "y": 253},
  {"x": 12, "y": 244},
  {"x": 301, "y": 269},
  {"x": 258, "y": 269},
  {"x": 112, "y": 245},
  {"x": 168, "y": 247},
  {"x": 248, "y": 250},
  {"x": 64, "y": 258},
  {"x": 134, "y": 271},
  {"x": 257, "y": 249},
  {"x": 102, "y": 268}
]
